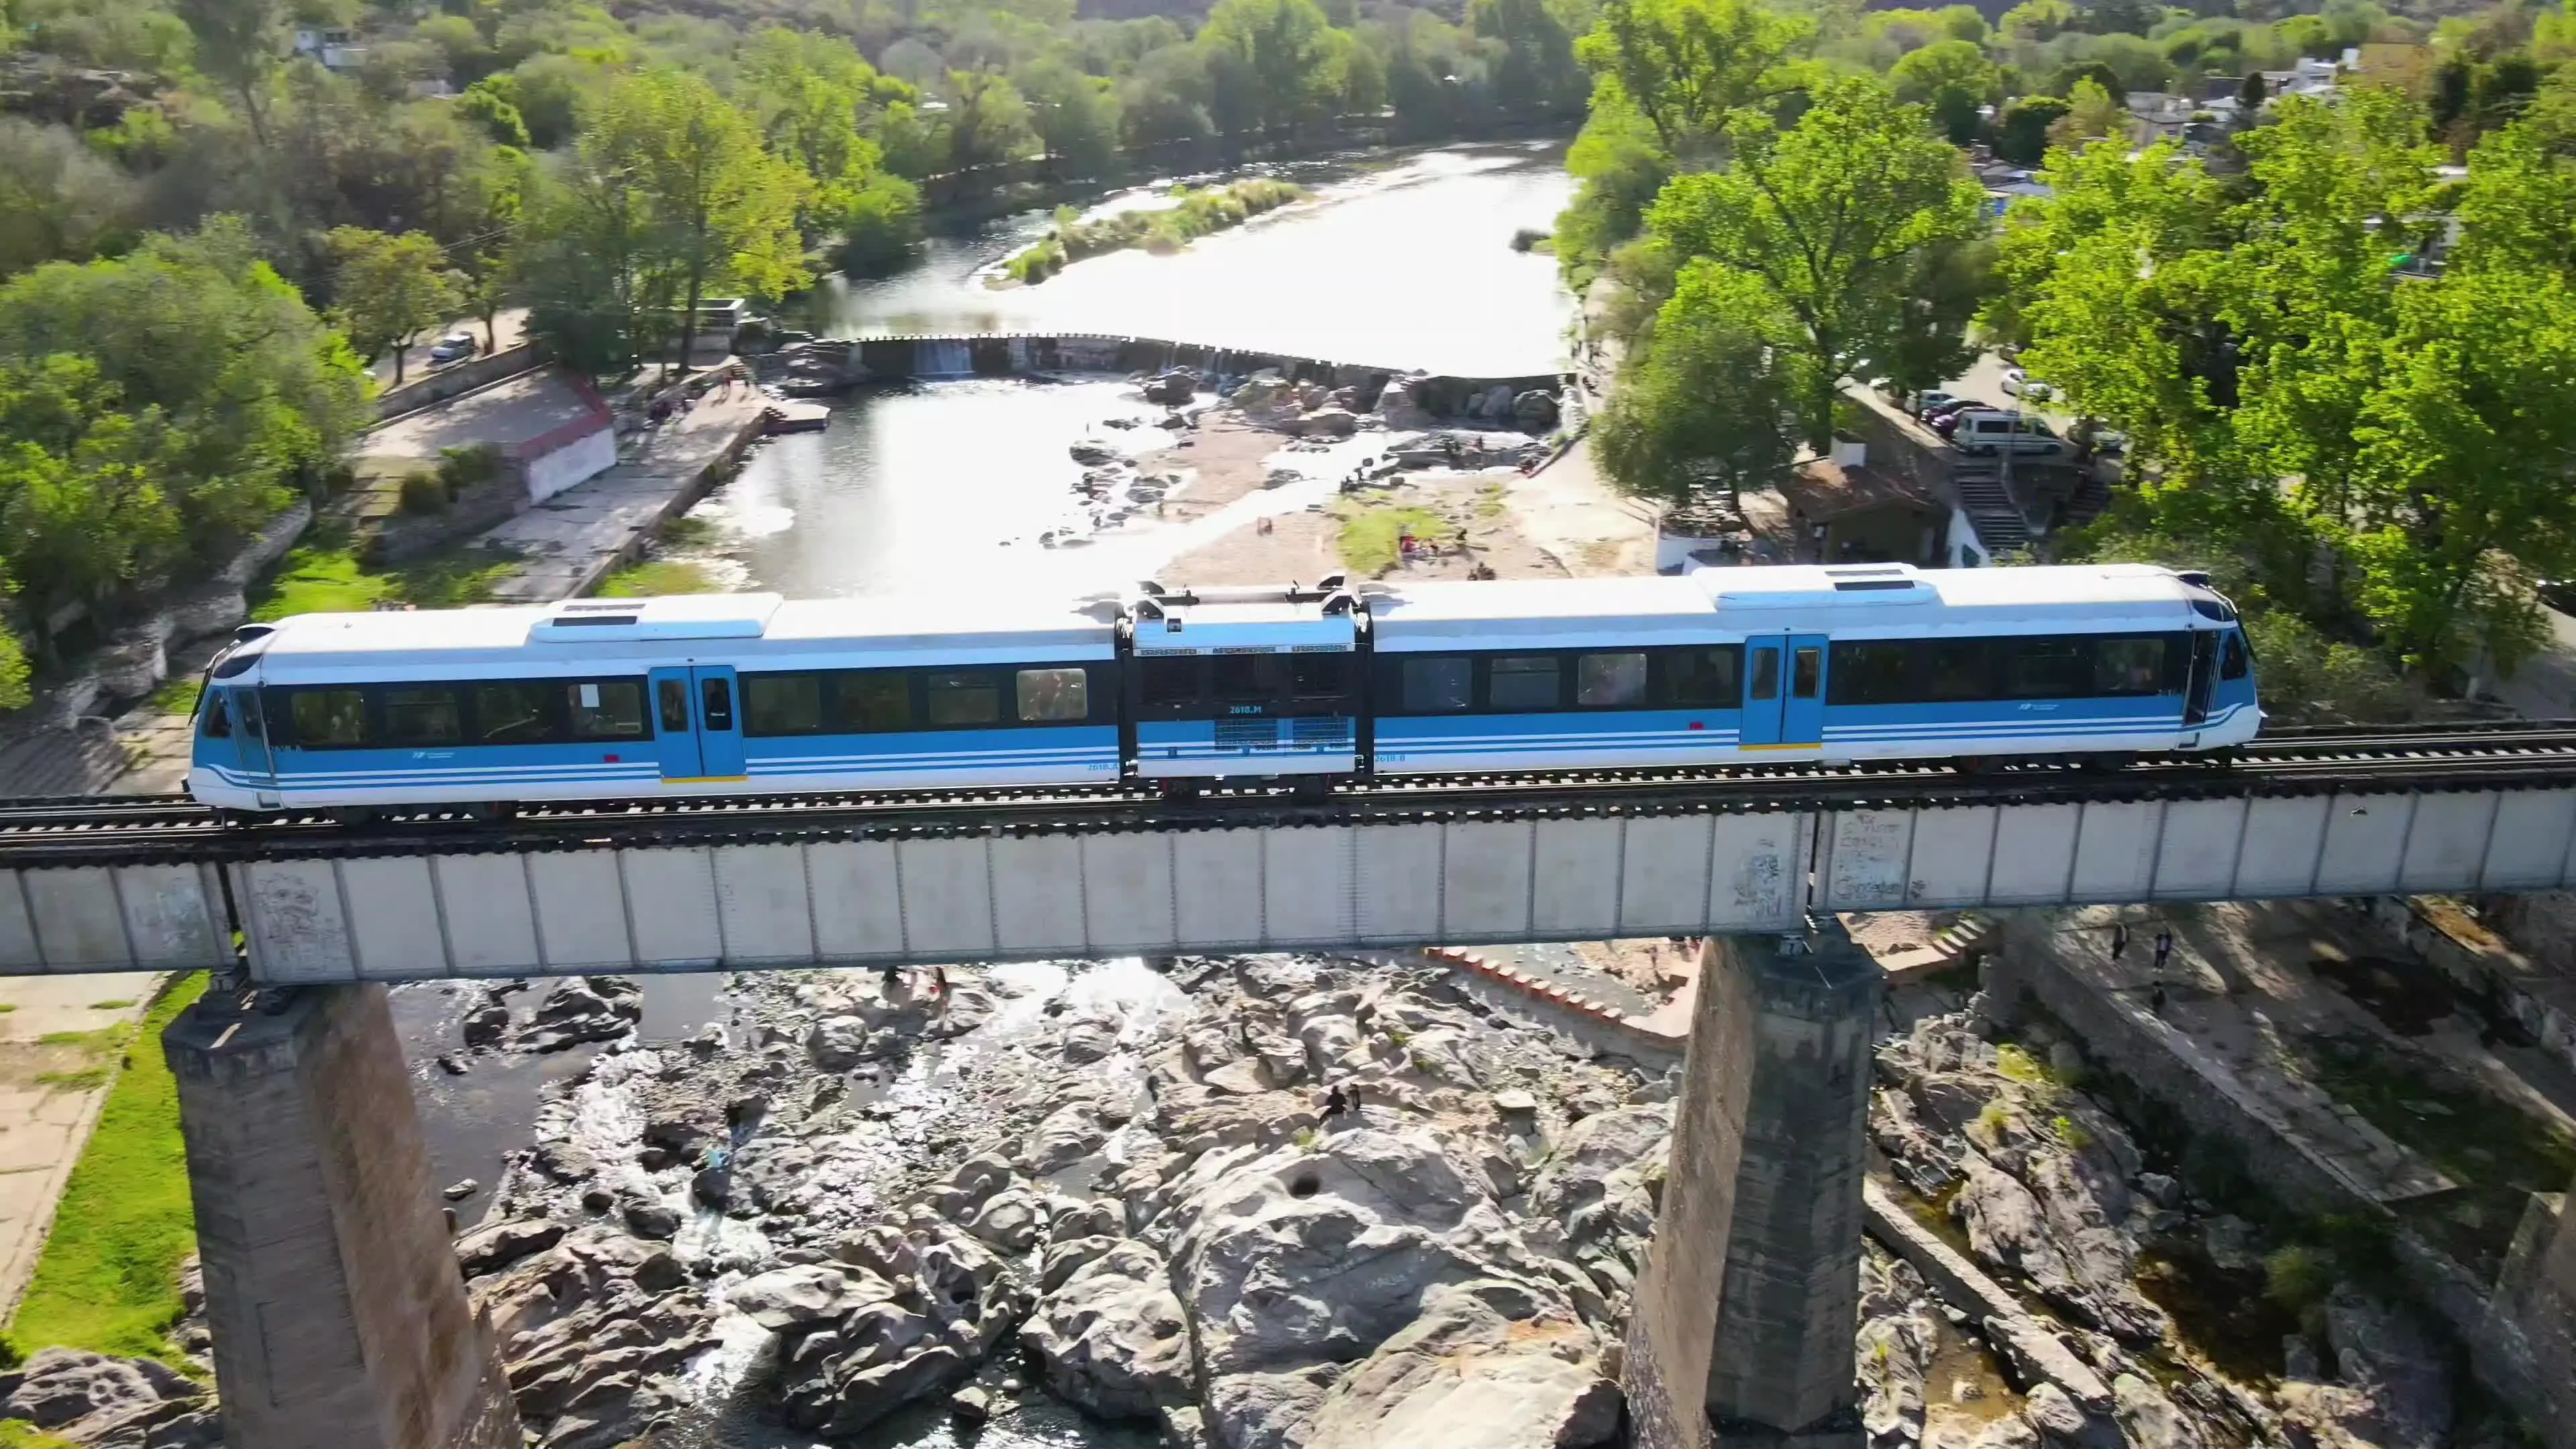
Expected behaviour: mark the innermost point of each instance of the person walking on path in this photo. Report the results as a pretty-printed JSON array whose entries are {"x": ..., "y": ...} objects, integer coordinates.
[{"x": 2119, "y": 940}]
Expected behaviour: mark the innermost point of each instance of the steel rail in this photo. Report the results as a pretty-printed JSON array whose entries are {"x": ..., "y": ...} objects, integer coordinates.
[{"x": 173, "y": 828}]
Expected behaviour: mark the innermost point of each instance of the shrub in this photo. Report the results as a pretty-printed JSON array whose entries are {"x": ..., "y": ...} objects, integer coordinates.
[
  {"x": 424, "y": 492},
  {"x": 468, "y": 466},
  {"x": 2298, "y": 1276},
  {"x": 1528, "y": 238}
]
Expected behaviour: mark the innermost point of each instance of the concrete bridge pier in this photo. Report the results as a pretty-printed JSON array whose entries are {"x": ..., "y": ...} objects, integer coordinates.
[
  {"x": 339, "y": 1318},
  {"x": 1744, "y": 1313}
]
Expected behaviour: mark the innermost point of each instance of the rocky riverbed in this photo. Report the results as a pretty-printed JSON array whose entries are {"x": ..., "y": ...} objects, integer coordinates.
[{"x": 863, "y": 1198}]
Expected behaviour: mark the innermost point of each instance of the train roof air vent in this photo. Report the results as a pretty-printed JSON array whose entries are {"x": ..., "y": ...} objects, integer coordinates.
[{"x": 704, "y": 616}]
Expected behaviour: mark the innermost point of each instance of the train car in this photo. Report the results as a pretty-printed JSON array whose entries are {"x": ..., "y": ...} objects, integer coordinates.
[
  {"x": 1228, "y": 683},
  {"x": 1838, "y": 663},
  {"x": 621, "y": 699},
  {"x": 748, "y": 694}
]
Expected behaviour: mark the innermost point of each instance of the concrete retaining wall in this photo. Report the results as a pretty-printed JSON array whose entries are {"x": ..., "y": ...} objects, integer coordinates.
[{"x": 437, "y": 387}]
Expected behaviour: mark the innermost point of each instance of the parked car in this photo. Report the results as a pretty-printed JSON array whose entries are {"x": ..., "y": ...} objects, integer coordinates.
[
  {"x": 2559, "y": 594},
  {"x": 1986, "y": 431},
  {"x": 1926, "y": 403},
  {"x": 454, "y": 347},
  {"x": 2020, "y": 385},
  {"x": 1939, "y": 419}
]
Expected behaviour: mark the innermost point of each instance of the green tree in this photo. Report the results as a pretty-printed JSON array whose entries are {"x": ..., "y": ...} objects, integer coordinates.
[
  {"x": 257, "y": 395},
  {"x": 1830, "y": 221},
  {"x": 2092, "y": 114},
  {"x": 717, "y": 206},
  {"x": 1703, "y": 403},
  {"x": 240, "y": 44},
  {"x": 881, "y": 230},
  {"x": 1284, "y": 50},
  {"x": 2462, "y": 460},
  {"x": 391, "y": 289},
  {"x": 1684, "y": 65},
  {"x": 83, "y": 510},
  {"x": 988, "y": 121},
  {"x": 494, "y": 214},
  {"x": 1952, "y": 79},
  {"x": 1075, "y": 116},
  {"x": 1536, "y": 73},
  {"x": 59, "y": 200},
  {"x": 2021, "y": 131}
]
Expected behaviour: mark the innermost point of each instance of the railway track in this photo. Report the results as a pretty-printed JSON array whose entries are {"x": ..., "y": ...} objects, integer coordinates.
[{"x": 173, "y": 828}]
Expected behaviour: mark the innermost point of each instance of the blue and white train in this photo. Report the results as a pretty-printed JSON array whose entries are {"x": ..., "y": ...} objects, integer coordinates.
[{"x": 752, "y": 694}]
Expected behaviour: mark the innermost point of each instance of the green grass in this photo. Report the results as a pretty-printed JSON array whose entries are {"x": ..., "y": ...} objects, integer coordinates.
[
  {"x": 109, "y": 1277},
  {"x": 78, "y": 1079},
  {"x": 19, "y": 1434},
  {"x": 115, "y": 1003},
  {"x": 103, "y": 1039},
  {"x": 7, "y": 1007},
  {"x": 324, "y": 576},
  {"x": 654, "y": 578},
  {"x": 1369, "y": 534},
  {"x": 178, "y": 695}
]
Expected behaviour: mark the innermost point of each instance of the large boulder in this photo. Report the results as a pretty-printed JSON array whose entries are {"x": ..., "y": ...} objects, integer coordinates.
[
  {"x": 90, "y": 1397},
  {"x": 1296, "y": 1259},
  {"x": 601, "y": 1008},
  {"x": 1599, "y": 1187},
  {"x": 794, "y": 1297},
  {"x": 1112, "y": 1337},
  {"x": 1489, "y": 1364}
]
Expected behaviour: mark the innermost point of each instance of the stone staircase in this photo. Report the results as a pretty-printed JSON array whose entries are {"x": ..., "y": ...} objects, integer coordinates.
[{"x": 2001, "y": 527}]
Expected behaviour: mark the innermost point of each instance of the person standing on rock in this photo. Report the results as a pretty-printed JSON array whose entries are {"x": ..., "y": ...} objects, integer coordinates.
[
  {"x": 1335, "y": 1104},
  {"x": 2119, "y": 940}
]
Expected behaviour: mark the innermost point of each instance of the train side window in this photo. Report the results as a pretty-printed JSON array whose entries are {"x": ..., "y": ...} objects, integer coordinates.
[
  {"x": 1704, "y": 678},
  {"x": 329, "y": 719},
  {"x": 514, "y": 714},
  {"x": 875, "y": 701},
  {"x": 1872, "y": 672},
  {"x": 2130, "y": 666},
  {"x": 1171, "y": 683},
  {"x": 1955, "y": 670},
  {"x": 1806, "y": 674},
  {"x": 782, "y": 704},
  {"x": 1444, "y": 685},
  {"x": 607, "y": 709},
  {"x": 2046, "y": 668},
  {"x": 962, "y": 698},
  {"x": 1518, "y": 683},
  {"x": 673, "y": 695},
  {"x": 1054, "y": 696},
  {"x": 2231, "y": 657},
  {"x": 1320, "y": 676},
  {"x": 717, "y": 696},
  {"x": 1247, "y": 678},
  {"x": 423, "y": 717},
  {"x": 219, "y": 718},
  {"x": 1610, "y": 681},
  {"x": 1766, "y": 674}
]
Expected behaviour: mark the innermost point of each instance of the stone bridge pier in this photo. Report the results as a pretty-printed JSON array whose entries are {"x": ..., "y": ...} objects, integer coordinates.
[
  {"x": 339, "y": 1318},
  {"x": 1741, "y": 1333}
]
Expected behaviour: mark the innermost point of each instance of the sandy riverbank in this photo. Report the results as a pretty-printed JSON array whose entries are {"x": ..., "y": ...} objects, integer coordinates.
[{"x": 1562, "y": 522}]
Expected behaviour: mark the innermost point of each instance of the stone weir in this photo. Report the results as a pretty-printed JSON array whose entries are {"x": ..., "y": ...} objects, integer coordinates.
[{"x": 834, "y": 364}]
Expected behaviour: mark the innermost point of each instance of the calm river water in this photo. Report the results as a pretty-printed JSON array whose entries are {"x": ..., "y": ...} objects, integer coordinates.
[{"x": 1404, "y": 262}]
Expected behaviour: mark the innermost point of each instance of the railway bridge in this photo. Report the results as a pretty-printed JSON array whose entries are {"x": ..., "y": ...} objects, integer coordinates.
[{"x": 339, "y": 1319}]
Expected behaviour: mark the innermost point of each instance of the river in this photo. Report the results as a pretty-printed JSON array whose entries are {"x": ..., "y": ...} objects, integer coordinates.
[{"x": 1401, "y": 261}]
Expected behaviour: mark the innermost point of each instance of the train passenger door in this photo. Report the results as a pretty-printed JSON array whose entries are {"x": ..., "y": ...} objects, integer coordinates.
[
  {"x": 697, "y": 723},
  {"x": 675, "y": 731},
  {"x": 720, "y": 750},
  {"x": 2204, "y": 677},
  {"x": 1784, "y": 692},
  {"x": 250, "y": 734}
]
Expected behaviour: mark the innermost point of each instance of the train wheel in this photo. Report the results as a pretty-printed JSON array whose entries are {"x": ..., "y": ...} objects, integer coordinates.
[
  {"x": 353, "y": 815},
  {"x": 1974, "y": 764},
  {"x": 2110, "y": 761}
]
